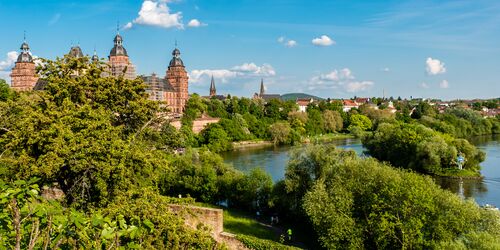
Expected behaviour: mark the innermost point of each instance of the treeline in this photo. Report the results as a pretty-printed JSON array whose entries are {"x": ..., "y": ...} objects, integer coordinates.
[{"x": 276, "y": 120}]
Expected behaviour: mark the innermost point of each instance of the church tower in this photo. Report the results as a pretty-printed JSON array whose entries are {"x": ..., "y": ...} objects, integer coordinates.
[
  {"x": 23, "y": 76},
  {"x": 177, "y": 77},
  {"x": 262, "y": 89},
  {"x": 119, "y": 63},
  {"x": 213, "y": 91}
]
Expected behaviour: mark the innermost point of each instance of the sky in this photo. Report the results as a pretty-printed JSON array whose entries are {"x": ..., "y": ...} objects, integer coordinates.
[{"x": 329, "y": 48}]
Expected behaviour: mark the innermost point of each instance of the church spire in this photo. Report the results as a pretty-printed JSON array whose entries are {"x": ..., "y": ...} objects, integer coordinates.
[
  {"x": 262, "y": 91},
  {"x": 213, "y": 91}
]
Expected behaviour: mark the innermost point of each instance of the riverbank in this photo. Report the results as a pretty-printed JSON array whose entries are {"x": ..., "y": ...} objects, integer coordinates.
[
  {"x": 241, "y": 145},
  {"x": 460, "y": 174}
]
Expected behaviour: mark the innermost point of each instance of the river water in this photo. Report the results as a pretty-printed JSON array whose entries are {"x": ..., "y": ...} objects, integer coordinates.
[{"x": 485, "y": 191}]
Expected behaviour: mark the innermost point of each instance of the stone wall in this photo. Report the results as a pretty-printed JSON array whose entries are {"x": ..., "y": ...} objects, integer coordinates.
[
  {"x": 212, "y": 218},
  {"x": 198, "y": 124}
]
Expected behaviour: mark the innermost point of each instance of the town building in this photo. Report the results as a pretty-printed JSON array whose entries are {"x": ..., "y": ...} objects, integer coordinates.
[
  {"x": 303, "y": 103},
  {"x": 24, "y": 76},
  {"x": 173, "y": 88},
  {"x": 213, "y": 92}
]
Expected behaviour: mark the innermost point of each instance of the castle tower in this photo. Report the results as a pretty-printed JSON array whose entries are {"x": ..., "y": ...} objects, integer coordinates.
[
  {"x": 23, "y": 76},
  {"x": 95, "y": 58},
  {"x": 177, "y": 77},
  {"x": 119, "y": 64},
  {"x": 213, "y": 91}
]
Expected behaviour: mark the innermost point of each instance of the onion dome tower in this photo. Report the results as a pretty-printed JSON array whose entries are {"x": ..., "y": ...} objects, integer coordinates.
[
  {"x": 119, "y": 63},
  {"x": 23, "y": 76},
  {"x": 177, "y": 77},
  {"x": 95, "y": 58},
  {"x": 213, "y": 91}
]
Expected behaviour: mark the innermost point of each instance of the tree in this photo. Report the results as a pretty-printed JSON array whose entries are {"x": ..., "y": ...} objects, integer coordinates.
[
  {"x": 280, "y": 132},
  {"x": 332, "y": 121},
  {"x": 5, "y": 91},
  {"x": 82, "y": 133},
  {"x": 361, "y": 121},
  {"x": 215, "y": 137}
]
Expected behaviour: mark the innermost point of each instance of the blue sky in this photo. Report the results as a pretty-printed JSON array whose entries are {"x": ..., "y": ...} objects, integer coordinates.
[{"x": 338, "y": 49}]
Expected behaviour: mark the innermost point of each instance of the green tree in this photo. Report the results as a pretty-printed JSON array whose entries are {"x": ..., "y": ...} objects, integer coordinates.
[
  {"x": 361, "y": 121},
  {"x": 332, "y": 121},
  {"x": 5, "y": 92},
  {"x": 280, "y": 132}
]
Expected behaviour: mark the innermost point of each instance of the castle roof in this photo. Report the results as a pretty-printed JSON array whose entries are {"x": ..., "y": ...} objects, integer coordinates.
[
  {"x": 75, "y": 51},
  {"x": 176, "y": 59},
  {"x": 118, "y": 49}
]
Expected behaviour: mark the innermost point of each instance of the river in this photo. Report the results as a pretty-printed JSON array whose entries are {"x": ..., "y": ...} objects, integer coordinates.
[{"x": 485, "y": 191}]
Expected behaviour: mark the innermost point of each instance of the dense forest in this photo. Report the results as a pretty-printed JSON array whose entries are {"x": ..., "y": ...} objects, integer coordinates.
[{"x": 113, "y": 155}]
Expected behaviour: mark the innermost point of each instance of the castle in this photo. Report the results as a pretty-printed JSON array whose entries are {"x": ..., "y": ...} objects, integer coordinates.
[{"x": 172, "y": 89}]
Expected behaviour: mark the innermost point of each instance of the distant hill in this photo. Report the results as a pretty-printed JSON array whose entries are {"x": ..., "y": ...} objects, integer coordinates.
[{"x": 294, "y": 96}]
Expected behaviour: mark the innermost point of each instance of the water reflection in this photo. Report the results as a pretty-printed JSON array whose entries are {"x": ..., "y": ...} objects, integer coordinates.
[{"x": 467, "y": 188}]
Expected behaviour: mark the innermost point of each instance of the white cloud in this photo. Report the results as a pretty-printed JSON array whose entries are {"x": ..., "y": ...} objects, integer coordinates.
[
  {"x": 324, "y": 40},
  {"x": 9, "y": 62},
  {"x": 335, "y": 79},
  {"x": 157, "y": 13},
  {"x": 127, "y": 26},
  {"x": 444, "y": 84},
  {"x": 291, "y": 43},
  {"x": 195, "y": 23},
  {"x": 424, "y": 85},
  {"x": 246, "y": 70},
  {"x": 434, "y": 66},
  {"x": 358, "y": 86},
  {"x": 386, "y": 69}
]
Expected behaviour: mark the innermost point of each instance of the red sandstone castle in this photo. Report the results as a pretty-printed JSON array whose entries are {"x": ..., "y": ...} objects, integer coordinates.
[{"x": 172, "y": 89}]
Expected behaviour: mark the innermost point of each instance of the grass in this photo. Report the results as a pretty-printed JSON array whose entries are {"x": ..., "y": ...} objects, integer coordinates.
[
  {"x": 330, "y": 137},
  {"x": 460, "y": 173},
  {"x": 239, "y": 222}
]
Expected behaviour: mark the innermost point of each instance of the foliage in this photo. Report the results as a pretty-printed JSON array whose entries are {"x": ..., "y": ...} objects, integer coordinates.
[
  {"x": 80, "y": 132},
  {"x": 419, "y": 148},
  {"x": 215, "y": 137},
  {"x": 5, "y": 92},
  {"x": 280, "y": 132},
  {"x": 362, "y": 203},
  {"x": 262, "y": 244},
  {"x": 361, "y": 121},
  {"x": 28, "y": 221},
  {"x": 332, "y": 121}
]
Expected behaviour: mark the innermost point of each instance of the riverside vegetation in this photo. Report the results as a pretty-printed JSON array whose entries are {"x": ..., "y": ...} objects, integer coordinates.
[{"x": 107, "y": 148}]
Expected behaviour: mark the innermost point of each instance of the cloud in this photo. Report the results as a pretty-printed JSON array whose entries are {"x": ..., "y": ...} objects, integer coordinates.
[
  {"x": 444, "y": 84},
  {"x": 246, "y": 70},
  {"x": 324, "y": 40},
  {"x": 289, "y": 43},
  {"x": 195, "y": 23},
  {"x": 127, "y": 26},
  {"x": 424, "y": 85},
  {"x": 358, "y": 86},
  {"x": 54, "y": 19},
  {"x": 434, "y": 66},
  {"x": 335, "y": 79},
  {"x": 157, "y": 13},
  {"x": 386, "y": 69},
  {"x": 9, "y": 62}
]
